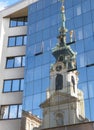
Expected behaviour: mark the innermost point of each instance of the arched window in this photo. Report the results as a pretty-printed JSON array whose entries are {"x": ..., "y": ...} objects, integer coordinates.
[
  {"x": 59, "y": 119},
  {"x": 73, "y": 82},
  {"x": 59, "y": 82}
]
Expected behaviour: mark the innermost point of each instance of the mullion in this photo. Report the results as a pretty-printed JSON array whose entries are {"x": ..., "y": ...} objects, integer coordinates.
[
  {"x": 14, "y": 62},
  {"x": 20, "y": 85},
  {"x": 8, "y": 111},
  {"x": 11, "y": 84}
]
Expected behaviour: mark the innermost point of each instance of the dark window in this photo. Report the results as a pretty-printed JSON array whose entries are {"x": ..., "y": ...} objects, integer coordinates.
[
  {"x": 59, "y": 82},
  {"x": 22, "y": 21},
  {"x": 11, "y": 111},
  {"x": 14, "y": 62},
  {"x": 17, "y": 41},
  {"x": 13, "y": 85}
]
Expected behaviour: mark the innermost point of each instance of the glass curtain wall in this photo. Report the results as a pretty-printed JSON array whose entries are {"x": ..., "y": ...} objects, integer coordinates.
[{"x": 44, "y": 20}]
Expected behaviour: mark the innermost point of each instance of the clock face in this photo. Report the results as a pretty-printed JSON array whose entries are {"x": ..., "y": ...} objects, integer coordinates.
[{"x": 58, "y": 68}]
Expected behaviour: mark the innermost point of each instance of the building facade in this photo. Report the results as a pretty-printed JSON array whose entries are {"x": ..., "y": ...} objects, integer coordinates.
[{"x": 28, "y": 33}]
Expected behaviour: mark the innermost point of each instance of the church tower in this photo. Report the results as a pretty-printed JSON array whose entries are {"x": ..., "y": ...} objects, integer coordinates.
[{"x": 65, "y": 102}]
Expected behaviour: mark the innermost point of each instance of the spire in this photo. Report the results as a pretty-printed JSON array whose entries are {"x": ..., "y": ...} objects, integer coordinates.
[
  {"x": 62, "y": 30},
  {"x": 62, "y": 52}
]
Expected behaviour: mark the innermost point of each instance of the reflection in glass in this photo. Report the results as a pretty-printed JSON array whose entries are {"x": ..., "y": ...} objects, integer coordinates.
[
  {"x": 13, "y": 22},
  {"x": 22, "y": 84},
  {"x": 10, "y": 62},
  {"x": 13, "y": 111},
  {"x": 4, "y": 112},
  {"x": 20, "y": 111},
  {"x": 19, "y": 41},
  {"x": 91, "y": 89},
  {"x": 11, "y": 41},
  {"x": 7, "y": 86},
  {"x": 17, "y": 62},
  {"x": 15, "y": 85}
]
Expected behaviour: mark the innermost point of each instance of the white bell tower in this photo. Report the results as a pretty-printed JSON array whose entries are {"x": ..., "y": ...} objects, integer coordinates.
[{"x": 65, "y": 102}]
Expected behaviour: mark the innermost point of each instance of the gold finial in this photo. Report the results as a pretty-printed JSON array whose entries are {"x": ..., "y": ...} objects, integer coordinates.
[
  {"x": 71, "y": 33},
  {"x": 63, "y": 9}
]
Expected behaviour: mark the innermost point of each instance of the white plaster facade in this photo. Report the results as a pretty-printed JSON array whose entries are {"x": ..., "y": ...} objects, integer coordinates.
[{"x": 17, "y": 10}]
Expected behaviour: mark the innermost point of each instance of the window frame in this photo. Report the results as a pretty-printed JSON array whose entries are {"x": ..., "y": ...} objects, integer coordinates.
[
  {"x": 13, "y": 64},
  {"x": 9, "y": 112},
  {"x": 15, "y": 40},
  {"x": 11, "y": 85},
  {"x": 24, "y": 22}
]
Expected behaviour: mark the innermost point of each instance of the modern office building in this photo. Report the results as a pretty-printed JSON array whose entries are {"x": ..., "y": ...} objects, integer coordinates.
[{"x": 44, "y": 70}]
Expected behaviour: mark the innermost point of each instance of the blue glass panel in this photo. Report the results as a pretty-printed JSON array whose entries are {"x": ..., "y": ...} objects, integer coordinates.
[
  {"x": 90, "y": 57},
  {"x": 92, "y": 13},
  {"x": 53, "y": 19},
  {"x": 84, "y": 87},
  {"x": 19, "y": 40},
  {"x": 11, "y": 41},
  {"x": 28, "y": 90},
  {"x": 74, "y": 2},
  {"x": 37, "y": 73},
  {"x": 37, "y": 86},
  {"x": 79, "y": 46},
  {"x": 87, "y": 18},
  {"x": 92, "y": 108},
  {"x": 69, "y": 13},
  {"x": 24, "y": 40},
  {"x": 54, "y": 30},
  {"x": 5, "y": 111},
  {"x": 78, "y": 21},
  {"x": 90, "y": 73},
  {"x": 17, "y": 62},
  {"x": 13, "y": 111},
  {"x": 47, "y": 45},
  {"x": 23, "y": 61},
  {"x": 87, "y": 109},
  {"x": 54, "y": 8},
  {"x": 79, "y": 33},
  {"x": 15, "y": 85},
  {"x": 89, "y": 44},
  {"x": 47, "y": 12},
  {"x": 37, "y": 112},
  {"x": 46, "y": 34},
  {"x": 82, "y": 75},
  {"x": 38, "y": 60},
  {"x": 38, "y": 36},
  {"x": 91, "y": 89},
  {"x": 20, "y": 21},
  {"x": 68, "y": 3},
  {"x": 30, "y": 62},
  {"x": 37, "y": 102},
  {"x": 7, "y": 86},
  {"x": 45, "y": 70},
  {"x": 20, "y": 111},
  {"x": 13, "y": 22},
  {"x": 46, "y": 58},
  {"x": 85, "y": 6},
  {"x": 92, "y": 4},
  {"x": 29, "y": 75},
  {"x": 10, "y": 62},
  {"x": 22, "y": 84},
  {"x": 77, "y": 10},
  {"x": 45, "y": 84},
  {"x": 81, "y": 61},
  {"x": 27, "y": 105}
]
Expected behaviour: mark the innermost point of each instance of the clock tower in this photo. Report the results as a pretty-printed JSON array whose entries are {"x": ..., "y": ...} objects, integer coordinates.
[{"x": 65, "y": 102}]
